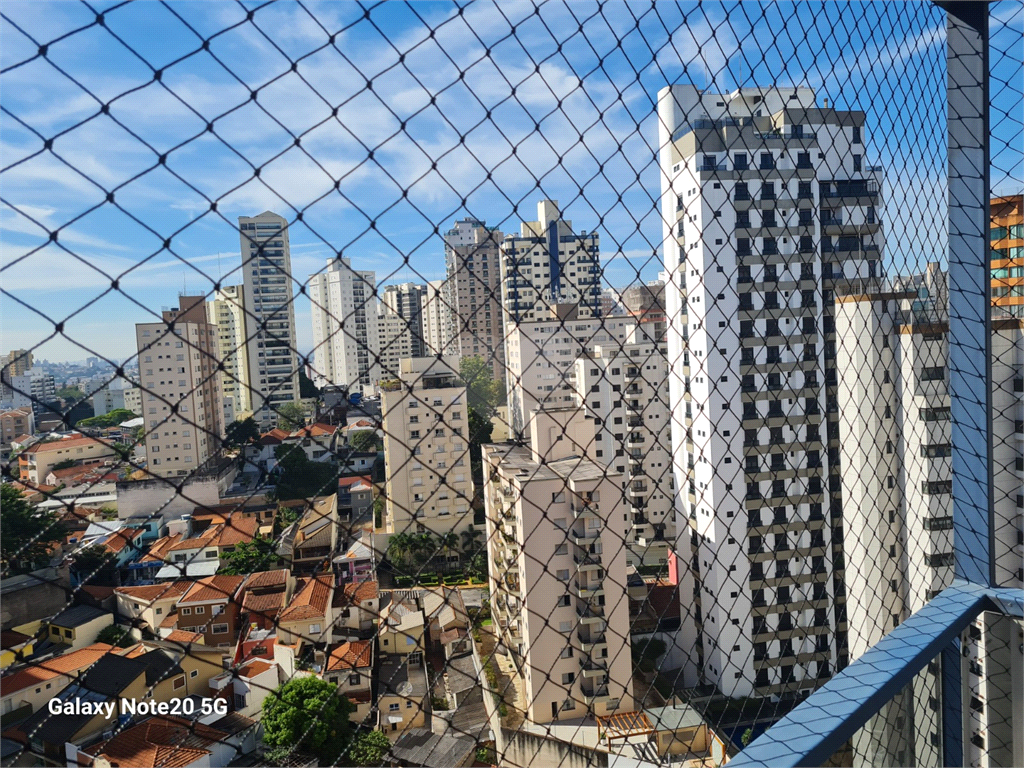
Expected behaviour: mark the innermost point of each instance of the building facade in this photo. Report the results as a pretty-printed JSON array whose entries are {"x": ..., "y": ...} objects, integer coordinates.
[
  {"x": 345, "y": 327},
  {"x": 548, "y": 264},
  {"x": 182, "y": 398},
  {"x": 394, "y": 340},
  {"x": 406, "y": 301},
  {"x": 426, "y": 451},
  {"x": 437, "y": 321},
  {"x": 897, "y": 509},
  {"x": 769, "y": 207},
  {"x": 1007, "y": 241},
  {"x": 269, "y": 314},
  {"x": 558, "y": 569},
  {"x": 473, "y": 259},
  {"x": 226, "y": 312}
]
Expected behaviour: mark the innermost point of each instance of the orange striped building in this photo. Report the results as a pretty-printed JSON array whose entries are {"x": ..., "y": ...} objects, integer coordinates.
[{"x": 1007, "y": 244}]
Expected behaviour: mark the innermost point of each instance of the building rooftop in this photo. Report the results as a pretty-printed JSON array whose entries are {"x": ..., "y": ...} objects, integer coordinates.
[
  {"x": 220, "y": 587},
  {"x": 395, "y": 671},
  {"x": 169, "y": 742},
  {"x": 515, "y": 459},
  {"x": 350, "y": 655},
  {"x": 78, "y": 615},
  {"x": 420, "y": 747},
  {"x": 41, "y": 671}
]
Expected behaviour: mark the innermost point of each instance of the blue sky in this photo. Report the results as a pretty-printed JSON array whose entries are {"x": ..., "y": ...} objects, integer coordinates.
[{"x": 581, "y": 121}]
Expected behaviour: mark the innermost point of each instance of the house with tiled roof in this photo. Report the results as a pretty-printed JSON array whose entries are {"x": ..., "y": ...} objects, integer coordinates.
[
  {"x": 39, "y": 459},
  {"x": 401, "y": 627},
  {"x": 308, "y": 616},
  {"x": 263, "y": 596},
  {"x": 26, "y": 688},
  {"x": 198, "y": 553},
  {"x": 211, "y": 608},
  {"x": 316, "y": 441},
  {"x": 355, "y": 496},
  {"x": 147, "y": 606},
  {"x": 357, "y": 562},
  {"x": 349, "y": 665},
  {"x": 356, "y": 608},
  {"x": 248, "y": 685},
  {"x": 169, "y": 742}
]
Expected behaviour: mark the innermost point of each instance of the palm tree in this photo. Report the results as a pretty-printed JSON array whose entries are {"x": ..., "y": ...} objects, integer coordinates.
[
  {"x": 449, "y": 542},
  {"x": 399, "y": 548},
  {"x": 471, "y": 540},
  {"x": 423, "y": 546}
]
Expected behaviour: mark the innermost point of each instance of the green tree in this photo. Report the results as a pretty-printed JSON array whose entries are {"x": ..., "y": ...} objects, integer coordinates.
[
  {"x": 483, "y": 393},
  {"x": 110, "y": 419},
  {"x": 291, "y": 416},
  {"x": 241, "y": 433},
  {"x": 260, "y": 554},
  {"x": 747, "y": 736},
  {"x": 306, "y": 386},
  {"x": 368, "y": 748},
  {"x": 399, "y": 548},
  {"x": 423, "y": 547},
  {"x": 300, "y": 478},
  {"x": 366, "y": 440},
  {"x": 71, "y": 393},
  {"x": 449, "y": 543},
  {"x": 378, "y": 510},
  {"x": 309, "y": 715},
  {"x": 66, "y": 464},
  {"x": 91, "y": 562},
  {"x": 115, "y": 635},
  {"x": 27, "y": 532},
  {"x": 472, "y": 541}
]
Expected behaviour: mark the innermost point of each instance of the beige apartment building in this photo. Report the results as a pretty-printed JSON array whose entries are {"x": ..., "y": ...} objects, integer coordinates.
[
  {"x": 624, "y": 389},
  {"x": 178, "y": 368},
  {"x": 37, "y": 461},
  {"x": 540, "y": 355},
  {"x": 395, "y": 340},
  {"x": 426, "y": 451},
  {"x": 226, "y": 312},
  {"x": 15, "y": 423},
  {"x": 557, "y": 565},
  {"x": 472, "y": 292},
  {"x": 897, "y": 511}
]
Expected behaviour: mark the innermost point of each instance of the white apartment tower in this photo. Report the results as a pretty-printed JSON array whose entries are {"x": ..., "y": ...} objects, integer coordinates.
[
  {"x": 426, "y": 451},
  {"x": 182, "y": 401},
  {"x": 472, "y": 290},
  {"x": 406, "y": 301},
  {"x": 226, "y": 312},
  {"x": 768, "y": 208},
  {"x": 892, "y": 360},
  {"x": 269, "y": 313},
  {"x": 437, "y": 320},
  {"x": 548, "y": 264},
  {"x": 557, "y": 569},
  {"x": 345, "y": 326}
]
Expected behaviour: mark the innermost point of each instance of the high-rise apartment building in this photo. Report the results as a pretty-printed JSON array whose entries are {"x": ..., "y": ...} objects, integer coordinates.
[
  {"x": 345, "y": 326},
  {"x": 406, "y": 301},
  {"x": 17, "y": 362},
  {"x": 624, "y": 390},
  {"x": 548, "y": 264},
  {"x": 426, "y": 451},
  {"x": 394, "y": 344},
  {"x": 437, "y": 320},
  {"x": 269, "y": 314},
  {"x": 226, "y": 311},
  {"x": 472, "y": 253},
  {"x": 1007, "y": 242},
  {"x": 769, "y": 206},
  {"x": 558, "y": 569},
  {"x": 892, "y": 360},
  {"x": 182, "y": 400},
  {"x": 540, "y": 356}
]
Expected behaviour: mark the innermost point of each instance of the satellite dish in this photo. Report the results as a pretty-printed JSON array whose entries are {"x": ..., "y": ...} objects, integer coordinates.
[{"x": 405, "y": 688}]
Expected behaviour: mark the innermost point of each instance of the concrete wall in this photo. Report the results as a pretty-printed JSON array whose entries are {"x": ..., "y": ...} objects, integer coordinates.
[
  {"x": 528, "y": 749},
  {"x": 165, "y": 498},
  {"x": 32, "y": 596}
]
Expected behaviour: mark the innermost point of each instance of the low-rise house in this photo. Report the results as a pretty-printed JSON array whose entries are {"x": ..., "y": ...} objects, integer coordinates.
[
  {"x": 25, "y": 690},
  {"x": 356, "y": 608},
  {"x": 78, "y": 626},
  {"x": 422, "y": 747},
  {"x": 308, "y": 617},
  {"x": 263, "y": 596},
  {"x": 356, "y": 563},
  {"x": 355, "y": 497},
  {"x": 39, "y": 459},
  {"x": 147, "y": 606},
  {"x": 14, "y": 646},
  {"x": 317, "y": 536},
  {"x": 681, "y": 731},
  {"x": 317, "y": 442},
  {"x": 160, "y": 741},
  {"x": 444, "y": 610},
  {"x": 402, "y": 694},
  {"x": 247, "y": 686},
  {"x": 401, "y": 626},
  {"x": 349, "y": 665},
  {"x": 15, "y": 423},
  {"x": 209, "y": 608}
]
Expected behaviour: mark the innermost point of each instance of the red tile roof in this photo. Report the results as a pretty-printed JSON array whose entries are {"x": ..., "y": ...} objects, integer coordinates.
[
  {"x": 42, "y": 671},
  {"x": 65, "y": 443},
  {"x": 160, "y": 549},
  {"x": 361, "y": 591},
  {"x": 311, "y": 599},
  {"x": 220, "y": 587},
  {"x": 255, "y": 667},
  {"x": 350, "y": 655},
  {"x": 169, "y": 742},
  {"x": 150, "y": 592},
  {"x": 345, "y": 482},
  {"x": 184, "y": 636}
]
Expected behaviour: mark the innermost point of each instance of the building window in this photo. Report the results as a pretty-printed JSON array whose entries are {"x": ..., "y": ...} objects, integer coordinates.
[{"x": 220, "y": 629}]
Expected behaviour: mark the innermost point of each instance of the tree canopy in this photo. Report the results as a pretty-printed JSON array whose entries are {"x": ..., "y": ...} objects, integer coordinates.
[
  {"x": 306, "y": 386},
  {"x": 260, "y": 554},
  {"x": 290, "y": 416},
  {"x": 366, "y": 440},
  {"x": 369, "y": 748},
  {"x": 110, "y": 419},
  {"x": 483, "y": 393},
  {"x": 308, "y": 714},
  {"x": 27, "y": 531},
  {"x": 115, "y": 634},
  {"x": 242, "y": 432},
  {"x": 300, "y": 478},
  {"x": 71, "y": 393}
]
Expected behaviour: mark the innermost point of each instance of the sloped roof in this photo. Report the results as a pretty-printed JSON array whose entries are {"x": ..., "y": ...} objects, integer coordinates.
[
  {"x": 160, "y": 549},
  {"x": 169, "y": 742},
  {"x": 350, "y": 655},
  {"x": 40, "y": 671},
  {"x": 344, "y": 482},
  {"x": 78, "y": 615},
  {"x": 183, "y": 636},
  {"x": 311, "y": 599},
  {"x": 151, "y": 592},
  {"x": 76, "y": 441},
  {"x": 217, "y": 587}
]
